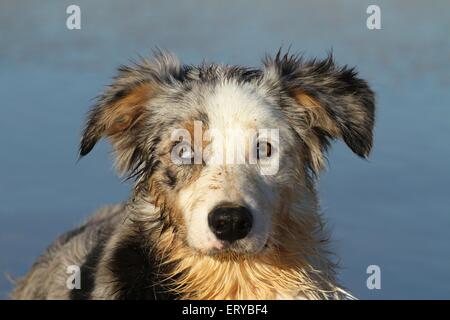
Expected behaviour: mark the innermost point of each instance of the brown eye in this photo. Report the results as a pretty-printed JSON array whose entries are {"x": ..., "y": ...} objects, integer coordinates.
[{"x": 264, "y": 150}]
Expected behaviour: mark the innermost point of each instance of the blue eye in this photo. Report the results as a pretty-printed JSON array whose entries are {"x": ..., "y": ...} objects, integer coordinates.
[
  {"x": 264, "y": 150},
  {"x": 185, "y": 151}
]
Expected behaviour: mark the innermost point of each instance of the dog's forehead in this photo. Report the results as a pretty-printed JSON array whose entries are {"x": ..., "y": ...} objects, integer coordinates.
[
  {"x": 233, "y": 104},
  {"x": 227, "y": 104}
]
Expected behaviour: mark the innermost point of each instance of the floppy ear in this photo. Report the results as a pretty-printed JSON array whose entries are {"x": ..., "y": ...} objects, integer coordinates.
[
  {"x": 325, "y": 102},
  {"x": 121, "y": 111},
  {"x": 112, "y": 117},
  {"x": 119, "y": 114}
]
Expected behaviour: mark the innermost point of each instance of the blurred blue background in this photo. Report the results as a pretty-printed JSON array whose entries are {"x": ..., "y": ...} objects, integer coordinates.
[{"x": 392, "y": 210}]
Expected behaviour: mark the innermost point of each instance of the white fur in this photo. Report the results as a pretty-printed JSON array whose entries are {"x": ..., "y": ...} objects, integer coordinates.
[{"x": 243, "y": 109}]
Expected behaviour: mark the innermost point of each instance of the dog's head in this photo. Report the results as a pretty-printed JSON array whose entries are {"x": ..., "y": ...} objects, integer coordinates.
[{"x": 231, "y": 152}]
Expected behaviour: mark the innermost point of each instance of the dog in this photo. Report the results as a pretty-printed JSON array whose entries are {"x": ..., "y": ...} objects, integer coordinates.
[{"x": 194, "y": 228}]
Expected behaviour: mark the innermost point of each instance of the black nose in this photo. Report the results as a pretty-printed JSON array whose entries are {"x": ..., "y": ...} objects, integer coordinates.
[{"x": 230, "y": 223}]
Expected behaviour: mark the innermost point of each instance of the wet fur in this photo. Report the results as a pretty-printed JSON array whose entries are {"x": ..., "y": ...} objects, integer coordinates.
[{"x": 138, "y": 250}]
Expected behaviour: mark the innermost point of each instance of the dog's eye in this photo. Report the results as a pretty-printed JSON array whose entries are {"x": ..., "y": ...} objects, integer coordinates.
[
  {"x": 185, "y": 151},
  {"x": 182, "y": 153},
  {"x": 264, "y": 150}
]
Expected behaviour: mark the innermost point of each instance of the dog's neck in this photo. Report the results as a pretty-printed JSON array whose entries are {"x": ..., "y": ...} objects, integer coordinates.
[
  {"x": 264, "y": 276},
  {"x": 297, "y": 268}
]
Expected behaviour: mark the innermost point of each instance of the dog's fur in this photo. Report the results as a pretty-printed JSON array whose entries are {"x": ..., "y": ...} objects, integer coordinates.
[{"x": 158, "y": 245}]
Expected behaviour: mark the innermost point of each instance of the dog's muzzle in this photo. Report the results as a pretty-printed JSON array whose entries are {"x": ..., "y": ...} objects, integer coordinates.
[{"x": 230, "y": 223}]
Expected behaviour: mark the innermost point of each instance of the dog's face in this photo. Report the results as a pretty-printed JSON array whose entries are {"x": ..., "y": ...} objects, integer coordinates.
[{"x": 230, "y": 152}]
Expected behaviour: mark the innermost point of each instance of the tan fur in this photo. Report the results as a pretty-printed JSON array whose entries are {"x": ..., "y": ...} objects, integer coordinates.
[
  {"x": 281, "y": 271},
  {"x": 317, "y": 117},
  {"x": 125, "y": 112},
  {"x": 288, "y": 268},
  {"x": 124, "y": 115}
]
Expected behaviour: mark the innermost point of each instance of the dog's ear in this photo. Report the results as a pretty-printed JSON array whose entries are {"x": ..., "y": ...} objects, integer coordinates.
[
  {"x": 121, "y": 111},
  {"x": 325, "y": 102},
  {"x": 112, "y": 117}
]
